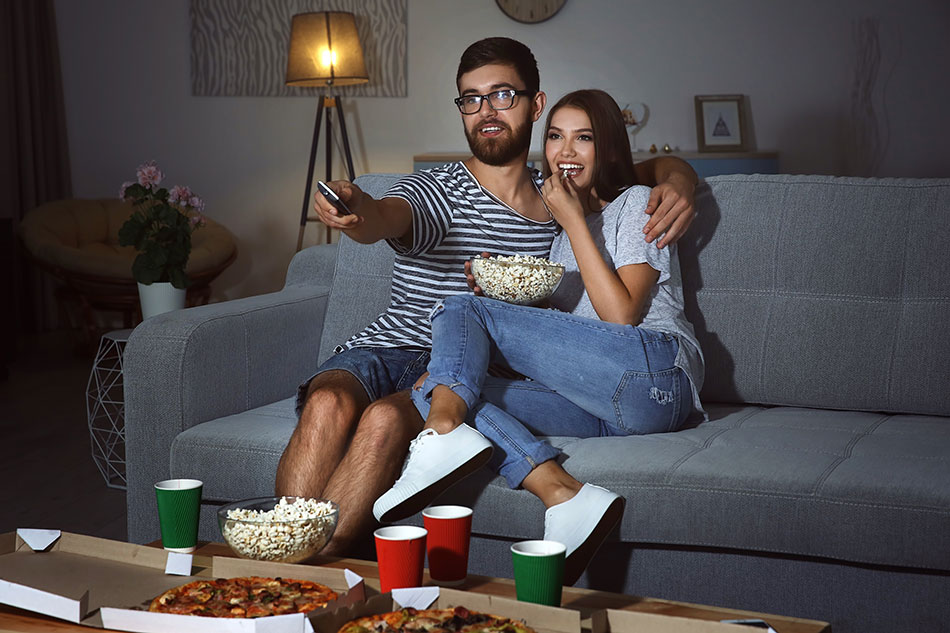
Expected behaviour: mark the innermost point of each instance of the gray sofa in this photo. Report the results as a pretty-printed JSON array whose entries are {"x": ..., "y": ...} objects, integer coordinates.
[{"x": 819, "y": 488}]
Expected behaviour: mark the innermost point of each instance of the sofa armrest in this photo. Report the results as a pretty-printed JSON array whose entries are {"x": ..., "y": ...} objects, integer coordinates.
[
  {"x": 189, "y": 366},
  {"x": 316, "y": 262}
]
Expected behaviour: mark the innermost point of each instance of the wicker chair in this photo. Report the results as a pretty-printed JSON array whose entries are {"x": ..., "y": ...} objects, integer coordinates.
[{"x": 77, "y": 241}]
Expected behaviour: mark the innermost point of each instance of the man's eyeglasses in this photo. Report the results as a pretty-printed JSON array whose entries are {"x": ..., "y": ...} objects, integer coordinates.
[{"x": 498, "y": 100}]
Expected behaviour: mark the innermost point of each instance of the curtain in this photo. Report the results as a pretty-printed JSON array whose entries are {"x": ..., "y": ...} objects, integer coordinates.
[{"x": 34, "y": 156}]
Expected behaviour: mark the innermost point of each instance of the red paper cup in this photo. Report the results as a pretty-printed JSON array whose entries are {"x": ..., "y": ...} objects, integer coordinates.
[
  {"x": 400, "y": 551},
  {"x": 450, "y": 530}
]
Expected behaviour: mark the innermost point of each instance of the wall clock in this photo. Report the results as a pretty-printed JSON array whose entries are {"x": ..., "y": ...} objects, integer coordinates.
[{"x": 530, "y": 11}]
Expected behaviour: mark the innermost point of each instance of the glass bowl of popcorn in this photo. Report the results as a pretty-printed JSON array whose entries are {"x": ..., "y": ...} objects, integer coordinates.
[
  {"x": 519, "y": 279},
  {"x": 280, "y": 529}
]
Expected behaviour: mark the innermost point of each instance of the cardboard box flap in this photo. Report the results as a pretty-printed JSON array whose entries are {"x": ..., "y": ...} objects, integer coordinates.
[
  {"x": 38, "y": 539},
  {"x": 107, "y": 582},
  {"x": 417, "y": 597},
  {"x": 613, "y": 621},
  {"x": 142, "y": 622},
  {"x": 332, "y": 621},
  {"x": 224, "y": 567},
  {"x": 25, "y": 597},
  {"x": 118, "y": 551}
]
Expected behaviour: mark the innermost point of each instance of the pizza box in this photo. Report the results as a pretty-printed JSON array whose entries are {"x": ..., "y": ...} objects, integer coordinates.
[
  {"x": 614, "y": 621},
  {"x": 109, "y": 584},
  {"x": 540, "y": 618}
]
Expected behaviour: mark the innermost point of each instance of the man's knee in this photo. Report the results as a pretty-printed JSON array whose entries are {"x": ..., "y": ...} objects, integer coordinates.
[
  {"x": 393, "y": 418},
  {"x": 335, "y": 400},
  {"x": 336, "y": 389}
]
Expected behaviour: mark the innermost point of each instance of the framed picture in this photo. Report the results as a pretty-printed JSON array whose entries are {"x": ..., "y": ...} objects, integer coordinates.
[{"x": 720, "y": 123}]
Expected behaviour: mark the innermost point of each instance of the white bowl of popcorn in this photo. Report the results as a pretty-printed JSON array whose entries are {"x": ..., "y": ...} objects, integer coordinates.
[
  {"x": 280, "y": 529},
  {"x": 519, "y": 279}
]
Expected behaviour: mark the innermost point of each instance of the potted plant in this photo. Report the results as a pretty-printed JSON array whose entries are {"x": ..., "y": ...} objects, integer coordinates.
[{"x": 160, "y": 229}]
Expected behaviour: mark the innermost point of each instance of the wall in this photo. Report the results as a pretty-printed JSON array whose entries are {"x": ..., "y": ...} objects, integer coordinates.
[{"x": 127, "y": 83}]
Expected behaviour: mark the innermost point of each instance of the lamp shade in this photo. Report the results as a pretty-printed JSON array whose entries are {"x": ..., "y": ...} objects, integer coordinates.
[{"x": 325, "y": 50}]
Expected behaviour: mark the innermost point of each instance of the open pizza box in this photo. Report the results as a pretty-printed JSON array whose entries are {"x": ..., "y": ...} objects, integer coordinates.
[
  {"x": 540, "y": 618},
  {"x": 614, "y": 621},
  {"x": 109, "y": 584}
]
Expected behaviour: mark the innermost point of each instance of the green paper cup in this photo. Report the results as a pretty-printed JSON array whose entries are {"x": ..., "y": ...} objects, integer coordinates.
[
  {"x": 539, "y": 571},
  {"x": 179, "y": 501}
]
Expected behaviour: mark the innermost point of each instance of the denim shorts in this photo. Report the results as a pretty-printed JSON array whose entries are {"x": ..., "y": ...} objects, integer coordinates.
[{"x": 381, "y": 370}]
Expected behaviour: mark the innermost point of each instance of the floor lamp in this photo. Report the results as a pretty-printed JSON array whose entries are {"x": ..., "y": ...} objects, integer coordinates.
[{"x": 325, "y": 51}]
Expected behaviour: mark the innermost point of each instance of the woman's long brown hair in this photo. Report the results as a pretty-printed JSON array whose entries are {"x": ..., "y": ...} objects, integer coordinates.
[{"x": 613, "y": 168}]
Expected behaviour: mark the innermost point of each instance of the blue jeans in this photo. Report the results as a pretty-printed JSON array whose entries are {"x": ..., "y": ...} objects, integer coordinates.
[{"x": 589, "y": 378}]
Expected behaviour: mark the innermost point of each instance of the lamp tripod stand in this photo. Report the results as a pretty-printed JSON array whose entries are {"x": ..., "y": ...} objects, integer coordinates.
[
  {"x": 324, "y": 108},
  {"x": 325, "y": 50}
]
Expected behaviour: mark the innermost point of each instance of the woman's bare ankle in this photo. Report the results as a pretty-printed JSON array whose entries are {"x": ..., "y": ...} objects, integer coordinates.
[
  {"x": 550, "y": 483},
  {"x": 447, "y": 410}
]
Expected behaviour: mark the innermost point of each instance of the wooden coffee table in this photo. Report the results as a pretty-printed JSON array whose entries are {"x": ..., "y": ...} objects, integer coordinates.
[{"x": 583, "y": 600}]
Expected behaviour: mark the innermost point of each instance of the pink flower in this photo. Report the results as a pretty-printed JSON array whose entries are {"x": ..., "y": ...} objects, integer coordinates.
[
  {"x": 125, "y": 185},
  {"x": 178, "y": 194},
  {"x": 197, "y": 220},
  {"x": 149, "y": 175},
  {"x": 196, "y": 203}
]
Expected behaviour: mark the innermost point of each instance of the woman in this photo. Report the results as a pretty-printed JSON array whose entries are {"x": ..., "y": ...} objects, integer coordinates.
[{"x": 616, "y": 357}]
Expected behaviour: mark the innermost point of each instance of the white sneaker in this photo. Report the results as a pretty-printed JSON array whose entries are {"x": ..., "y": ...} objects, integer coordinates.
[
  {"x": 435, "y": 462},
  {"x": 582, "y": 523}
]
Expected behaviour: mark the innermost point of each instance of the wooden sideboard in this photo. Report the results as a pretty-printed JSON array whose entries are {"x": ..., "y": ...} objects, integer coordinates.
[{"x": 705, "y": 163}]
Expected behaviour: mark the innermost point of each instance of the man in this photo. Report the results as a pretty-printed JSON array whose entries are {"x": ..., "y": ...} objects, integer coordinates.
[{"x": 356, "y": 417}]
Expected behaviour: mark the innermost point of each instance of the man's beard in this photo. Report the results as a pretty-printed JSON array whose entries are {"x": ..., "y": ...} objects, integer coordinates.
[{"x": 502, "y": 150}]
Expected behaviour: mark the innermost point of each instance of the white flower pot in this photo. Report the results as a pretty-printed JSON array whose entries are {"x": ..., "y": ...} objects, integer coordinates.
[{"x": 160, "y": 297}]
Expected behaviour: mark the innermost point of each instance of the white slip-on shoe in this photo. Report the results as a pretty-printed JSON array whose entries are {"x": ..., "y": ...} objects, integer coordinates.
[
  {"x": 582, "y": 523},
  {"x": 435, "y": 462}
]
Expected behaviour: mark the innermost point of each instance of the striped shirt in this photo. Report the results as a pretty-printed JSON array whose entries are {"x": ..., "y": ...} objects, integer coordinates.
[{"x": 453, "y": 219}]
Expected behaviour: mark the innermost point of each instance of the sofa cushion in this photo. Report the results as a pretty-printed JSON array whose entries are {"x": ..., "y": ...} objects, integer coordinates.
[
  {"x": 861, "y": 487},
  {"x": 236, "y": 456},
  {"x": 819, "y": 291}
]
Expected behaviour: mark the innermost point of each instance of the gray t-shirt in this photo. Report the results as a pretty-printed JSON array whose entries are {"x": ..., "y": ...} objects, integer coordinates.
[{"x": 618, "y": 233}]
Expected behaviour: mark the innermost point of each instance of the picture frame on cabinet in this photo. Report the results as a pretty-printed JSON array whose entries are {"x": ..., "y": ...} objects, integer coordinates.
[{"x": 721, "y": 123}]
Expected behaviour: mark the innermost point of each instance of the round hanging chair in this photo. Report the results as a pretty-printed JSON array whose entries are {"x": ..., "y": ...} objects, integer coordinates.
[{"x": 77, "y": 241}]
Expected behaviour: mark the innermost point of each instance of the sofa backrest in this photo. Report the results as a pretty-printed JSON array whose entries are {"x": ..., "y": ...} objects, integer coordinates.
[
  {"x": 820, "y": 291},
  {"x": 810, "y": 291},
  {"x": 361, "y": 280}
]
